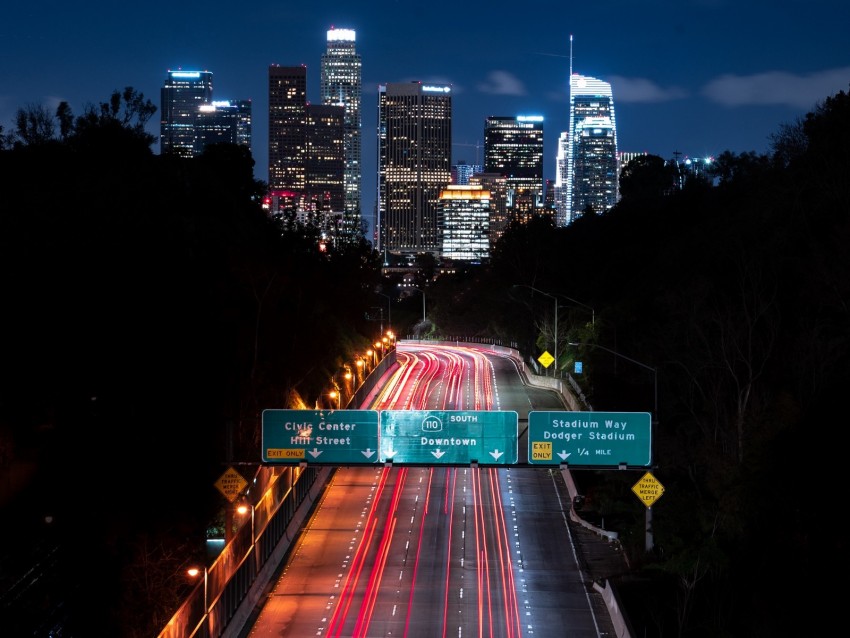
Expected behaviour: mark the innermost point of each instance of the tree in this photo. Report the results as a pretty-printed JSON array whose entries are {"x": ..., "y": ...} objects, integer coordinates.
[
  {"x": 646, "y": 177},
  {"x": 124, "y": 112},
  {"x": 34, "y": 125}
]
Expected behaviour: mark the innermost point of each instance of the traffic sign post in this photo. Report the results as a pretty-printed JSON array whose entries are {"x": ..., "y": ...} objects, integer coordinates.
[
  {"x": 595, "y": 439},
  {"x": 648, "y": 489},
  {"x": 231, "y": 484},
  {"x": 320, "y": 436},
  {"x": 449, "y": 437}
]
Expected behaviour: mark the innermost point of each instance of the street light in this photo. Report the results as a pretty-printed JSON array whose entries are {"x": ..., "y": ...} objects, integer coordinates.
[
  {"x": 423, "y": 301},
  {"x": 389, "y": 312},
  {"x": 193, "y": 573},
  {"x": 336, "y": 394},
  {"x": 575, "y": 301},
  {"x": 642, "y": 365},
  {"x": 555, "y": 369},
  {"x": 649, "y": 541}
]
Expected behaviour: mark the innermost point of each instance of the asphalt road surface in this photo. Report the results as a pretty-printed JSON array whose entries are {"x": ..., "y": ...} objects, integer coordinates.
[{"x": 439, "y": 551}]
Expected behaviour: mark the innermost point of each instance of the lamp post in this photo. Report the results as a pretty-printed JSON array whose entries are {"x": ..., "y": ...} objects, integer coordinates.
[
  {"x": 336, "y": 394},
  {"x": 553, "y": 297},
  {"x": 193, "y": 573},
  {"x": 423, "y": 301},
  {"x": 389, "y": 312},
  {"x": 575, "y": 301},
  {"x": 649, "y": 541}
]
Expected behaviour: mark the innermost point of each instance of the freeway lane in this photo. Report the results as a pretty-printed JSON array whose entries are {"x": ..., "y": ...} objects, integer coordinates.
[{"x": 441, "y": 551}]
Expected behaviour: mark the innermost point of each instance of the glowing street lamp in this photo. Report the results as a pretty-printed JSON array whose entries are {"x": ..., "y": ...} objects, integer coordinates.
[
  {"x": 335, "y": 394},
  {"x": 194, "y": 572}
]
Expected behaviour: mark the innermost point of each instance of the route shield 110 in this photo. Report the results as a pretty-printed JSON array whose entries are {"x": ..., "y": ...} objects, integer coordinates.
[{"x": 449, "y": 437}]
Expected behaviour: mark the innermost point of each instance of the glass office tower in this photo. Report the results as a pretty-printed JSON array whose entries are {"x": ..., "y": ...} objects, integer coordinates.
[
  {"x": 465, "y": 213},
  {"x": 287, "y": 128},
  {"x": 180, "y": 97},
  {"x": 513, "y": 147},
  {"x": 306, "y": 150},
  {"x": 341, "y": 85},
  {"x": 223, "y": 121},
  {"x": 591, "y": 150},
  {"x": 414, "y": 165}
]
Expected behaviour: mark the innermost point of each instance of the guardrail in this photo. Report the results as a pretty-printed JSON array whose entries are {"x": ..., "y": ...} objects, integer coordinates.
[
  {"x": 225, "y": 596},
  {"x": 231, "y": 587}
]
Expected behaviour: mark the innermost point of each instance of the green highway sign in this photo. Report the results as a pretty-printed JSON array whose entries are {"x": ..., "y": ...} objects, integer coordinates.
[
  {"x": 447, "y": 437},
  {"x": 596, "y": 439},
  {"x": 320, "y": 436}
]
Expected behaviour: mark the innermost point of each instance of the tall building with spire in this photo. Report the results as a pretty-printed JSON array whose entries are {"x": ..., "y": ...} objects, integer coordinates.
[
  {"x": 587, "y": 174},
  {"x": 414, "y": 165},
  {"x": 341, "y": 85},
  {"x": 180, "y": 98}
]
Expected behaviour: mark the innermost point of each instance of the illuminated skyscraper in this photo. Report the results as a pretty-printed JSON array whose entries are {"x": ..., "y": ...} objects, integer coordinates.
[
  {"x": 306, "y": 147},
  {"x": 462, "y": 172},
  {"x": 180, "y": 97},
  {"x": 223, "y": 121},
  {"x": 341, "y": 85},
  {"x": 287, "y": 127},
  {"x": 465, "y": 213},
  {"x": 414, "y": 165},
  {"x": 513, "y": 147},
  {"x": 591, "y": 178}
]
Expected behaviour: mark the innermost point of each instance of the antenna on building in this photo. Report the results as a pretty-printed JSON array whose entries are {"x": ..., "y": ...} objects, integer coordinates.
[{"x": 571, "y": 55}]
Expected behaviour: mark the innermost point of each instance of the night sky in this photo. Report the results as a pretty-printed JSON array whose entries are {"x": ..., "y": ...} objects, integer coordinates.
[{"x": 696, "y": 77}]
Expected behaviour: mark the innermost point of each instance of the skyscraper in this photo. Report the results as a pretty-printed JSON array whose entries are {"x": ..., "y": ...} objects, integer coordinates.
[
  {"x": 325, "y": 174},
  {"x": 513, "y": 147},
  {"x": 465, "y": 213},
  {"x": 306, "y": 148},
  {"x": 461, "y": 172},
  {"x": 497, "y": 185},
  {"x": 287, "y": 128},
  {"x": 414, "y": 165},
  {"x": 341, "y": 85},
  {"x": 223, "y": 121},
  {"x": 180, "y": 97},
  {"x": 591, "y": 178}
]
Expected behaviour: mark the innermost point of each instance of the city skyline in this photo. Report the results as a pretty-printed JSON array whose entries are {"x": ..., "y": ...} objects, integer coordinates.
[{"x": 697, "y": 78}]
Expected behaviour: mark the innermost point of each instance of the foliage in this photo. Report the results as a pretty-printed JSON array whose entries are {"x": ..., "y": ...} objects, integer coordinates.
[
  {"x": 153, "y": 312},
  {"x": 738, "y": 295}
]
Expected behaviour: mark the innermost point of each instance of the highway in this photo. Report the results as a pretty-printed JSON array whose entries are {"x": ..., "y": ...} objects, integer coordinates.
[{"x": 438, "y": 551}]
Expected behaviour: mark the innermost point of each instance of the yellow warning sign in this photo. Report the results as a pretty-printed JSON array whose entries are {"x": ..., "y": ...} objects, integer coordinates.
[
  {"x": 231, "y": 484},
  {"x": 648, "y": 489},
  {"x": 546, "y": 359},
  {"x": 541, "y": 450}
]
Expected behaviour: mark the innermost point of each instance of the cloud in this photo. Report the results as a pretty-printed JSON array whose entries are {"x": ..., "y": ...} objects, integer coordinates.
[
  {"x": 777, "y": 88},
  {"x": 642, "y": 90},
  {"x": 502, "y": 83}
]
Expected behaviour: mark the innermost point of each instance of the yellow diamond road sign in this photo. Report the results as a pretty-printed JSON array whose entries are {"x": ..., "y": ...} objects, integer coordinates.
[
  {"x": 231, "y": 484},
  {"x": 546, "y": 359},
  {"x": 648, "y": 489}
]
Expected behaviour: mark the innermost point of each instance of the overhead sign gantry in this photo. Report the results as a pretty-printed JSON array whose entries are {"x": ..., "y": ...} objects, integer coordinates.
[{"x": 456, "y": 437}]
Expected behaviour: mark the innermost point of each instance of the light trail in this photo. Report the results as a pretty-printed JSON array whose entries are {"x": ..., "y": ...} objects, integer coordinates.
[{"x": 447, "y": 378}]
